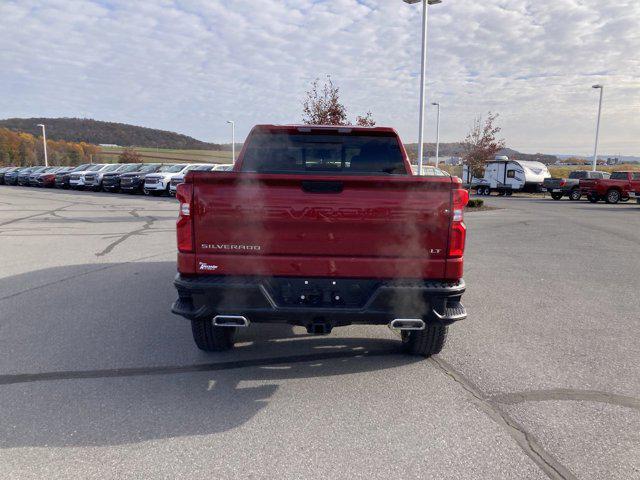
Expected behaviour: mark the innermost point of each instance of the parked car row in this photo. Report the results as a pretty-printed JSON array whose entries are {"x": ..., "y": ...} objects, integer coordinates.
[
  {"x": 611, "y": 187},
  {"x": 147, "y": 178}
]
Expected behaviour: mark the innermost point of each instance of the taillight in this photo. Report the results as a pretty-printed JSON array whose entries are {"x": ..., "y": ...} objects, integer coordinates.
[
  {"x": 562, "y": 183},
  {"x": 458, "y": 234},
  {"x": 184, "y": 225}
]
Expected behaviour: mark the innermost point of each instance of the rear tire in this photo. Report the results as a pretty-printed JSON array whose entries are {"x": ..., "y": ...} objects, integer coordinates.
[
  {"x": 556, "y": 196},
  {"x": 425, "y": 342},
  {"x": 575, "y": 195},
  {"x": 210, "y": 338},
  {"x": 613, "y": 196}
]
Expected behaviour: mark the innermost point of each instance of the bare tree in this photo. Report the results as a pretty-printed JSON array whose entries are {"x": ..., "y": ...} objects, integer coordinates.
[
  {"x": 481, "y": 143},
  {"x": 322, "y": 106},
  {"x": 129, "y": 155}
]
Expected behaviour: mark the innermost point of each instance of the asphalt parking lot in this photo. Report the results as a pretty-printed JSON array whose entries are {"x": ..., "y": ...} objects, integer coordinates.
[{"x": 99, "y": 380}]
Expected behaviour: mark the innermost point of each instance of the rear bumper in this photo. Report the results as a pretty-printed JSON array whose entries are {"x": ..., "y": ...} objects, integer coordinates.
[{"x": 338, "y": 302}]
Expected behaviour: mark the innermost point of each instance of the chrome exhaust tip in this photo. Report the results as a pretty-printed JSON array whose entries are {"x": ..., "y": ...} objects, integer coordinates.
[
  {"x": 230, "y": 321},
  {"x": 407, "y": 324}
]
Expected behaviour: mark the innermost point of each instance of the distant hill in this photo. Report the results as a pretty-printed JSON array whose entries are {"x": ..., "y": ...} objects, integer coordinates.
[
  {"x": 456, "y": 150},
  {"x": 97, "y": 132}
]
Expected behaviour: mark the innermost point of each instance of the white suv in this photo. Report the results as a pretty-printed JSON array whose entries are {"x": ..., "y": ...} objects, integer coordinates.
[
  {"x": 76, "y": 179},
  {"x": 202, "y": 167},
  {"x": 93, "y": 179},
  {"x": 159, "y": 183}
]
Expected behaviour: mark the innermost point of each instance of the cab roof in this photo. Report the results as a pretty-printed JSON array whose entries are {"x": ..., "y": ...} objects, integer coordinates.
[{"x": 303, "y": 128}]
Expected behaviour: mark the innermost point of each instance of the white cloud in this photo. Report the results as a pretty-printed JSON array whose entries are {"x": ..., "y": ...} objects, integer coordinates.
[{"x": 188, "y": 65}]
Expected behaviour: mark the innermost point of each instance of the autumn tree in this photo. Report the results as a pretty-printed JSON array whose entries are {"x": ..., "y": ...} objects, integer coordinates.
[
  {"x": 322, "y": 106},
  {"x": 19, "y": 148},
  {"x": 129, "y": 155},
  {"x": 481, "y": 143}
]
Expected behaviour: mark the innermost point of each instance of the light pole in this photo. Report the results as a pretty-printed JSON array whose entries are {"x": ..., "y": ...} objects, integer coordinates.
[
  {"x": 233, "y": 140},
  {"x": 595, "y": 150},
  {"x": 425, "y": 4},
  {"x": 44, "y": 142},
  {"x": 437, "y": 133}
]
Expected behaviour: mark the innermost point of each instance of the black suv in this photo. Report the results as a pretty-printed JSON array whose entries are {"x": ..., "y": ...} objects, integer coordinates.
[
  {"x": 111, "y": 180},
  {"x": 134, "y": 182},
  {"x": 4, "y": 171},
  {"x": 11, "y": 177},
  {"x": 23, "y": 176}
]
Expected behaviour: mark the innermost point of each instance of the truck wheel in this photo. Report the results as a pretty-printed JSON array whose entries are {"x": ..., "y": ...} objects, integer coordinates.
[
  {"x": 592, "y": 198},
  {"x": 575, "y": 194},
  {"x": 210, "y": 338},
  {"x": 613, "y": 196},
  {"x": 556, "y": 196},
  {"x": 425, "y": 342}
]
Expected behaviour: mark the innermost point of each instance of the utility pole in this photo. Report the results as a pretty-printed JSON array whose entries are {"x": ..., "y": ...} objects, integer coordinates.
[{"x": 44, "y": 142}]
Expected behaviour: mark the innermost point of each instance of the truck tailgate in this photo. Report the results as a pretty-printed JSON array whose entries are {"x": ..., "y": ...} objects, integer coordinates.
[
  {"x": 348, "y": 226},
  {"x": 551, "y": 183}
]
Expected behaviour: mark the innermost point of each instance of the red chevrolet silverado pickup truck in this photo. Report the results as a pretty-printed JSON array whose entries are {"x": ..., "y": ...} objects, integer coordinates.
[
  {"x": 321, "y": 227},
  {"x": 620, "y": 186}
]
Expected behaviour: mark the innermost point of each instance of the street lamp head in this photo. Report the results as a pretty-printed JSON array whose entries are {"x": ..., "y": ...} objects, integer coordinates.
[
  {"x": 40, "y": 125},
  {"x": 230, "y": 121},
  {"x": 430, "y": 2},
  {"x": 435, "y": 103},
  {"x": 598, "y": 86}
]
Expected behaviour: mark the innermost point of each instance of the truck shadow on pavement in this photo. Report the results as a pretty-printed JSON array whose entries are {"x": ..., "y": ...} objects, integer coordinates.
[{"x": 90, "y": 355}]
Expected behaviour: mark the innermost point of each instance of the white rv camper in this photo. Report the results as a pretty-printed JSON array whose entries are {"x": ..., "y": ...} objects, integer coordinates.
[{"x": 507, "y": 176}]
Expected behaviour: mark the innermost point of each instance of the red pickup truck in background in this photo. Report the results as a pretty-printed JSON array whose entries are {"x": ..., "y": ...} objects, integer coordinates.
[
  {"x": 619, "y": 187},
  {"x": 321, "y": 227}
]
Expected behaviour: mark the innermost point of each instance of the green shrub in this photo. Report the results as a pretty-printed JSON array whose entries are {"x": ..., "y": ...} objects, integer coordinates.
[{"x": 475, "y": 203}]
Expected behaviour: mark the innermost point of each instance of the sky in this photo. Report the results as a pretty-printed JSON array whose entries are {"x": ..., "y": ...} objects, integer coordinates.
[{"x": 190, "y": 65}]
